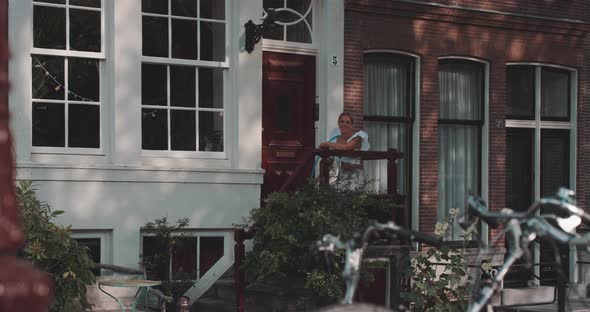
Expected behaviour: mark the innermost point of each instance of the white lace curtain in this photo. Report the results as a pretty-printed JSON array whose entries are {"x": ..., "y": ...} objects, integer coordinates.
[
  {"x": 386, "y": 90},
  {"x": 461, "y": 92}
]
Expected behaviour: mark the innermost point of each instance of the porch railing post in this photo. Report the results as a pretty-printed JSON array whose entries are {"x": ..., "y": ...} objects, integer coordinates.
[
  {"x": 325, "y": 164},
  {"x": 239, "y": 255}
]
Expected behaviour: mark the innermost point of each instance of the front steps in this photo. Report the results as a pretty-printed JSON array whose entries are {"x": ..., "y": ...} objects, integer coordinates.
[{"x": 542, "y": 298}]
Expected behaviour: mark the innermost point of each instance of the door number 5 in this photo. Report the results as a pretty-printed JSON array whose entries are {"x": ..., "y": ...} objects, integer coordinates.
[{"x": 334, "y": 61}]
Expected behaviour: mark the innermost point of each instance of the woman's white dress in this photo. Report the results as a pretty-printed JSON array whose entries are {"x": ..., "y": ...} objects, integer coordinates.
[{"x": 349, "y": 179}]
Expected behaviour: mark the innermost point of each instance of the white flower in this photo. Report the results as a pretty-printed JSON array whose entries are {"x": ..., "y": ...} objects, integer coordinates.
[
  {"x": 438, "y": 226},
  {"x": 453, "y": 211},
  {"x": 445, "y": 226},
  {"x": 486, "y": 266},
  {"x": 438, "y": 232}
]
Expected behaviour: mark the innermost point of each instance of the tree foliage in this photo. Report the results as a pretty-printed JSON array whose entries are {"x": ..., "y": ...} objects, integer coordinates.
[{"x": 289, "y": 225}]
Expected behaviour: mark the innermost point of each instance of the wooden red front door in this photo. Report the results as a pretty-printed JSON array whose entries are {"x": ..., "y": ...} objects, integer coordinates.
[{"x": 288, "y": 109}]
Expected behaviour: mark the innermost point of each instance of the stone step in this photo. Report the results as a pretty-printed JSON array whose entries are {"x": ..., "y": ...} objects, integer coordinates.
[
  {"x": 209, "y": 304},
  {"x": 541, "y": 294}
]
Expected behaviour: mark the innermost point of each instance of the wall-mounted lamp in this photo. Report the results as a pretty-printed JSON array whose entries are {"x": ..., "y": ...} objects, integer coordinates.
[{"x": 254, "y": 32}]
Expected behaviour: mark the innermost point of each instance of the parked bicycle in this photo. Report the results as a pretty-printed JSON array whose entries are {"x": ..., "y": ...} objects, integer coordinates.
[
  {"x": 354, "y": 255},
  {"x": 521, "y": 228}
]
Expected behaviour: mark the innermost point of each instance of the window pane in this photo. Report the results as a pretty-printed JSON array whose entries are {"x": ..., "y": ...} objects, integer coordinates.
[
  {"x": 184, "y": 39},
  {"x": 48, "y": 124},
  {"x": 83, "y": 126},
  {"x": 212, "y": 41},
  {"x": 154, "y": 129},
  {"x": 83, "y": 79},
  {"x": 154, "y": 6},
  {"x": 211, "y": 87},
  {"x": 211, "y": 131},
  {"x": 520, "y": 92},
  {"x": 186, "y": 7},
  {"x": 49, "y": 27},
  {"x": 48, "y": 77},
  {"x": 154, "y": 84},
  {"x": 211, "y": 250},
  {"x": 389, "y": 85},
  {"x": 214, "y": 9},
  {"x": 156, "y": 267},
  {"x": 555, "y": 99},
  {"x": 458, "y": 172},
  {"x": 519, "y": 168},
  {"x": 93, "y": 245},
  {"x": 298, "y": 33},
  {"x": 382, "y": 136},
  {"x": 182, "y": 86},
  {"x": 87, "y": 3},
  {"x": 554, "y": 160},
  {"x": 184, "y": 257},
  {"x": 461, "y": 90},
  {"x": 155, "y": 36},
  {"x": 183, "y": 130},
  {"x": 85, "y": 30}
]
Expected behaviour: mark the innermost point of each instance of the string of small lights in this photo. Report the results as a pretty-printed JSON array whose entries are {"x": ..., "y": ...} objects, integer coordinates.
[{"x": 58, "y": 85}]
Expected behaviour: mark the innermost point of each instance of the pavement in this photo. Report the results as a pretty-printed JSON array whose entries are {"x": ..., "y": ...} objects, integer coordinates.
[{"x": 572, "y": 305}]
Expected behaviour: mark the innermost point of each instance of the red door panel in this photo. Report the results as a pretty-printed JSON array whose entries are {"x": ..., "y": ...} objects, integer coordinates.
[{"x": 288, "y": 103}]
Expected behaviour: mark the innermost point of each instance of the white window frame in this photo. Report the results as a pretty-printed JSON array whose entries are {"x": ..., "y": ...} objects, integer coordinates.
[
  {"x": 170, "y": 61},
  {"x": 67, "y": 53},
  {"x": 106, "y": 245},
  {"x": 484, "y": 173},
  {"x": 537, "y": 124},
  {"x": 227, "y": 246}
]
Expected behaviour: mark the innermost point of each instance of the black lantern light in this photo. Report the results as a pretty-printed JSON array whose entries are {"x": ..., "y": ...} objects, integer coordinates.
[{"x": 254, "y": 32}]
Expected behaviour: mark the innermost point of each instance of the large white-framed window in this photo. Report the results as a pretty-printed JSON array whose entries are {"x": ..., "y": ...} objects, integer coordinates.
[
  {"x": 184, "y": 77},
  {"x": 67, "y": 67},
  {"x": 389, "y": 114},
  {"x": 462, "y": 95},
  {"x": 540, "y": 142},
  {"x": 99, "y": 244}
]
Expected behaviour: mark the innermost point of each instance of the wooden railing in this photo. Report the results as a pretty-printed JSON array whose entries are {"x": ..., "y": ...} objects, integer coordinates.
[{"x": 241, "y": 234}]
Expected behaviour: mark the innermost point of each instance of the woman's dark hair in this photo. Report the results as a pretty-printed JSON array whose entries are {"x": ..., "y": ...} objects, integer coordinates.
[{"x": 347, "y": 114}]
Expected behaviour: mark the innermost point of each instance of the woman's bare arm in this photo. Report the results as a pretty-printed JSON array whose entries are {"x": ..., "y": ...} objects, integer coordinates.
[{"x": 348, "y": 146}]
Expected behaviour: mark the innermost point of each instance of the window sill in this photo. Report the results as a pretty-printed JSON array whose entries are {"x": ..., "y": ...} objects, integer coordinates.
[{"x": 140, "y": 174}]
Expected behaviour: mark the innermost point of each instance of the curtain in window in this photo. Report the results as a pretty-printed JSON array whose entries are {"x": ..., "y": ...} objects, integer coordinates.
[
  {"x": 459, "y": 135},
  {"x": 387, "y": 88}
]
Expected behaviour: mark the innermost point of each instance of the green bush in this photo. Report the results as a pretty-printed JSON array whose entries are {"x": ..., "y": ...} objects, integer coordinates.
[
  {"x": 51, "y": 247},
  {"x": 289, "y": 225},
  {"x": 168, "y": 237}
]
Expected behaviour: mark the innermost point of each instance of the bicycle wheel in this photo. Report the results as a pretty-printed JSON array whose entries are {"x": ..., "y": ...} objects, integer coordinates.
[{"x": 357, "y": 307}]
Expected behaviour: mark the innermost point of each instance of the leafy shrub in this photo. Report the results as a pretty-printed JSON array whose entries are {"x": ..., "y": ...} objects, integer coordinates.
[
  {"x": 289, "y": 225},
  {"x": 51, "y": 247},
  {"x": 442, "y": 284},
  {"x": 167, "y": 237}
]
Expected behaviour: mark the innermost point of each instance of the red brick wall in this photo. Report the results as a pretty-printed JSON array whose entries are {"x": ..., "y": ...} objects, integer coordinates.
[
  {"x": 549, "y": 8},
  {"x": 432, "y": 32}
]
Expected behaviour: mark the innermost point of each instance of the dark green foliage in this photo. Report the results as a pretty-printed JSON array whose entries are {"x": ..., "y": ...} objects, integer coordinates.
[
  {"x": 167, "y": 237},
  {"x": 51, "y": 248},
  {"x": 289, "y": 225}
]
